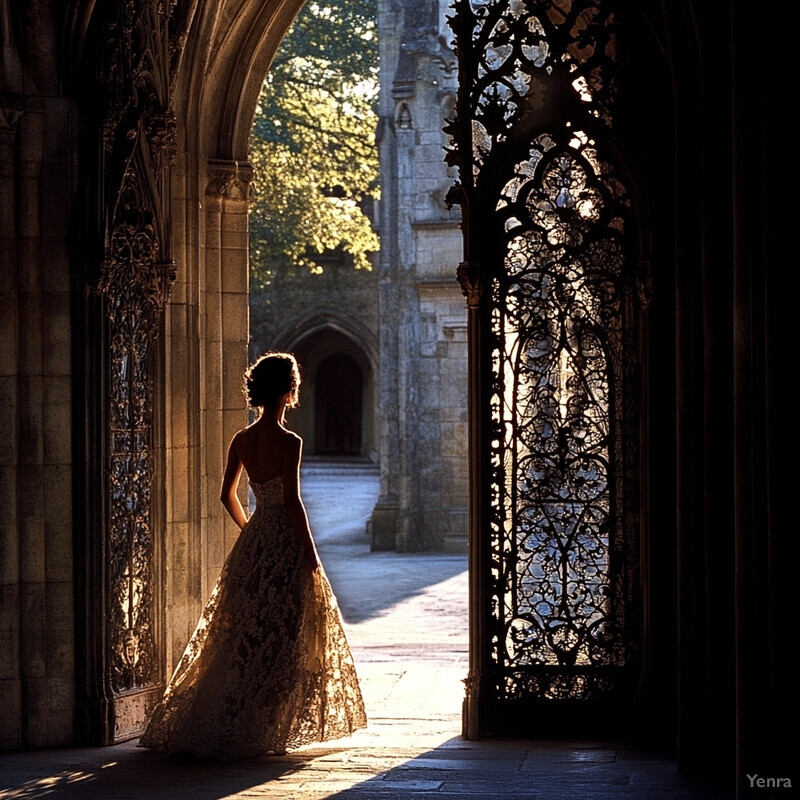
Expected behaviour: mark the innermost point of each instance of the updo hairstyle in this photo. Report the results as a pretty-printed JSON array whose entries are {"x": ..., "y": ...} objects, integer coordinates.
[{"x": 270, "y": 378}]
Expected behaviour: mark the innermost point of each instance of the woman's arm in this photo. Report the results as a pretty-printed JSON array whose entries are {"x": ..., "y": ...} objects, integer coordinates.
[
  {"x": 228, "y": 495},
  {"x": 291, "y": 497}
]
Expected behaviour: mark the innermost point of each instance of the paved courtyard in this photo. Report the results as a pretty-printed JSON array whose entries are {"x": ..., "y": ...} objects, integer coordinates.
[{"x": 406, "y": 617}]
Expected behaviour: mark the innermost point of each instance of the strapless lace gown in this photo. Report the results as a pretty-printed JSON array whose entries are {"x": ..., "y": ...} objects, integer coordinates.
[{"x": 268, "y": 667}]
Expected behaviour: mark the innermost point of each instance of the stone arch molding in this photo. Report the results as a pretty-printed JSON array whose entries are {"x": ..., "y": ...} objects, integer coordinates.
[
  {"x": 229, "y": 47},
  {"x": 308, "y": 326}
]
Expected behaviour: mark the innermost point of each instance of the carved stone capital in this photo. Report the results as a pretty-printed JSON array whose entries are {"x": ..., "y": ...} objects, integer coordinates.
[
  {"x": 10, "y": 112},
  {"x": 161, "y": 134},
  {"x": 230, "y": 180},
  {"x": 469, "y": 278},
  {"x": 644, "y": 284}
]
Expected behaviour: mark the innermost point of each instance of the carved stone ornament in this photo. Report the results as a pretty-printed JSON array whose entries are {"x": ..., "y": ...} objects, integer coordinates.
[
  {"x": 231, "y": 180},
  {"x": 469, "y": 278},
  {"x": 136, "y": 277}
]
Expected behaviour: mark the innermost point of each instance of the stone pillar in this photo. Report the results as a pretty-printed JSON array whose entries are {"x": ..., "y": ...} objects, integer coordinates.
[
  {"x": 382, "y": 526},
  {"x": 423, "y": 387},
  {"x": 183, "y": 387},
  {"x": 10, "y": 678},
  {"x": 37, "y": 664},
  {"x": 228, "y": 194},
  {"x": 206, "y": 354}
]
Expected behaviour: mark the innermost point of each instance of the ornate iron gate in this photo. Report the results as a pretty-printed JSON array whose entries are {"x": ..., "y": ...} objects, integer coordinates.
[
  {"x": 554, "y": 326},
  {"x": 136, "y": 50}
]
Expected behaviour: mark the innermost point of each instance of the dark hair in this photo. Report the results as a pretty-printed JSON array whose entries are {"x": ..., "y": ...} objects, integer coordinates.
[{"x": 270, "y": 378}]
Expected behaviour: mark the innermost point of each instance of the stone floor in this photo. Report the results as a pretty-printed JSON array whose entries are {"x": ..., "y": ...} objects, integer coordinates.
[{"x": 406, "y": 618}]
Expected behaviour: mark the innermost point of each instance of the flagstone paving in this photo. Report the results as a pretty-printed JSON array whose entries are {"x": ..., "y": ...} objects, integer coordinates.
[{"x": 406, "y": 618}]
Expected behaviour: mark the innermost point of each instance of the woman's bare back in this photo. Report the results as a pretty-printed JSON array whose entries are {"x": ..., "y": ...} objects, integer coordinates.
[{"x": 266, "y": 450}]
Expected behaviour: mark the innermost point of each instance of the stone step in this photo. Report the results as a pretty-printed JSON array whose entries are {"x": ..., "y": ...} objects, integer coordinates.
[{"x": 317, "y": 466}]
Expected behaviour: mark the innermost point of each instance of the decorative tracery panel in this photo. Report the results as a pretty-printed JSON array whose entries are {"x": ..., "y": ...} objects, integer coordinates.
[
  {"x": 556, "y": 351},
  {"x": 136, "y": 286},
  {"x": 133, "y": 51},
  {"x": 523, "y": 63},
  {"x": 547, "y": 239}
]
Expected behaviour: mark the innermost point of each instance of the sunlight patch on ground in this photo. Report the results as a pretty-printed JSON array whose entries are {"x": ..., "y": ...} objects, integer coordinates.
[
  {"x": 49, "y": 785},
  {"x": 437, "y": 614}
]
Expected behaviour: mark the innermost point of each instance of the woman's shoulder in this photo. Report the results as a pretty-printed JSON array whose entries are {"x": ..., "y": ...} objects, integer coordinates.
[
  {"x": 241, "y": 436},
  {"x": 290, "y": 439},
  {"x": 276, "y": 437},
  {"x": 246, "y": 439}
]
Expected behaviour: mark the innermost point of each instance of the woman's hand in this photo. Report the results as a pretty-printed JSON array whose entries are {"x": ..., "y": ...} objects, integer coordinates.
[{"x": 230, "y": 481}]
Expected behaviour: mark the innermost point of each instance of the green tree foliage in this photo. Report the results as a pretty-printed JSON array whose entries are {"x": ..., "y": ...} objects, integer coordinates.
[{"x": 313, "y": 142}]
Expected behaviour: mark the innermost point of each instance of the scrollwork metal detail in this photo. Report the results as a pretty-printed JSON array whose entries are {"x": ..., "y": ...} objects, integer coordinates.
[
  {"x": 136, "y": 286},
  {"x": 522, "y": 63},
  {"x": 538, "y": 80},
  {"x": 136, "y": 278},
  {"x": 556, "y": 356}
]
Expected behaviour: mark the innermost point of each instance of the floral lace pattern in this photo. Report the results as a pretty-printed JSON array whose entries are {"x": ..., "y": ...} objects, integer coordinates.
[{"x": 269, "y": 666}]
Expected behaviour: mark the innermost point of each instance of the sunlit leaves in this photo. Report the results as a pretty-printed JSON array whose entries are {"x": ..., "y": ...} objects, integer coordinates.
[{"x": 313, "y": 142}]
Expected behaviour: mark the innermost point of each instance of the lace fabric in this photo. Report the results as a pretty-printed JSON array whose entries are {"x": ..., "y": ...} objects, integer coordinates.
[{"x": 268, "y": 666}]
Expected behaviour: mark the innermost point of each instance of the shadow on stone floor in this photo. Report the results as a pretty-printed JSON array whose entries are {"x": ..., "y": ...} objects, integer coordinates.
[
  {"x": 371, "y": 584},
  {"x": 124, "y": 772},
  {"x": 538, "y": 770},
  {"x": 455, "y": 769}
]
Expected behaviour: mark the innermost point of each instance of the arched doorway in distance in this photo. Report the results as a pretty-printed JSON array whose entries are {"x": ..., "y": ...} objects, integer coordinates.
[
  {"x": 338, "y": 406},
  {"x": 336, "y": 415}
]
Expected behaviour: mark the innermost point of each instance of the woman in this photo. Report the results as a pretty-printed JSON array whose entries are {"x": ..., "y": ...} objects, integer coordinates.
[{"x": 268, "y": 667}]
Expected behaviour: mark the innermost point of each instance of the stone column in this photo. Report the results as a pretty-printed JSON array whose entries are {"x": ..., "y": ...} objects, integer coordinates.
[
  {"x": 10, "y": 679},
  {"x": 226, "y": 331},
  {"x": 206, "y": 353},
  {"x": 382, "y": 525},
  {"x": 37, "y": 664},
  {"x": 183, "y": 387},
  {"x": 422, "y": 327}
]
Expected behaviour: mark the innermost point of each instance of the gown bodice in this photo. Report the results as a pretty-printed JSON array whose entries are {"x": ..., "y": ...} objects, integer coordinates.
[{"x": 268, "y": 493}]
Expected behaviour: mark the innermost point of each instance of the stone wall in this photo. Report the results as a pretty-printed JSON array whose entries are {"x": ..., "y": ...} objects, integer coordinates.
[
  {"x": 315, "y": 315},
  {"x": 37, "y": 154},
  {"x": 423, "y": 353}
]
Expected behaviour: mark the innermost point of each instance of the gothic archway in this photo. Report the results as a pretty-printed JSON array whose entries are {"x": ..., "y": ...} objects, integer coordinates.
[
  {"x": 331, "y": 422},
  {"x": 162, "y": 337}
]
